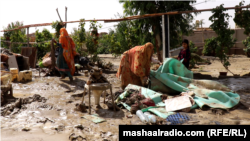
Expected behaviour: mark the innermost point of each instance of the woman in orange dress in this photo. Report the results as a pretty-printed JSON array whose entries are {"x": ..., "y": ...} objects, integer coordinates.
[
  {"x": 65, "y": 61},
  {"x": 135, "y": 65}
]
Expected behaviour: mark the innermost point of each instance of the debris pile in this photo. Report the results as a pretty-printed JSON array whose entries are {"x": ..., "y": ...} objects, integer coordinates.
[
  {"x": 14, "y": 107},
  {"x": 96, "y": 76}
]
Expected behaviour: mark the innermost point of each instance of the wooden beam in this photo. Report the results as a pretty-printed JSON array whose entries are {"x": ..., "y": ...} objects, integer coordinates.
[
  {"x": 65, "y": 16},
  {"x": 128, "y": 18}
]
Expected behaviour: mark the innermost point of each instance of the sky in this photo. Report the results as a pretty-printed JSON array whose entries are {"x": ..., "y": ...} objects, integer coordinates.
[{"x": 44, "y": 11}]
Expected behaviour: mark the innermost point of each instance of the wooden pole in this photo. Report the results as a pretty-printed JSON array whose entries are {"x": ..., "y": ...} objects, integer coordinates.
[
  {"x": 58, "y": 14},
  {"x": 28, "y": 37},
  {"x": 65, "y": 16},
  {"x": 53, "y": 56},
  {"x": 10, "y": 46},
  {"x": 165, "y": 36}
]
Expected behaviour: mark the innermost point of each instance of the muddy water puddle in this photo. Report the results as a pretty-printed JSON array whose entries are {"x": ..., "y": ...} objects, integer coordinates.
[{"x": 237, "y": 84}]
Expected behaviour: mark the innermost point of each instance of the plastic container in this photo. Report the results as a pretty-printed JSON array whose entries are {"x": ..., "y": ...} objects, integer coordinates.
[
  {"x": 25, "y": 76},
  {"x": 142, "y": 117},
  {"x": 151, "y": 118}
]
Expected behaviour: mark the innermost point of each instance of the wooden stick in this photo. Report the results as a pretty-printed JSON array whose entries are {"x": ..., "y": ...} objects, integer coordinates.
[
  {"x": 89, "y": 100},
  {"x": 65, "y": 16},
  {"x": 112, "y": 97},
  {"x": 58, "y": 14}
]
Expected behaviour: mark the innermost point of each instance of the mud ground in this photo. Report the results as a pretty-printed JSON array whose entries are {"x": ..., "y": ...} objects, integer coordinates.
[{"x": 56, "y": 119}]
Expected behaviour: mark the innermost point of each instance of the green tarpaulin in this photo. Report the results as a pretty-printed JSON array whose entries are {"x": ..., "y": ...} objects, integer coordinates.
[{"x": 173, "y": 77}]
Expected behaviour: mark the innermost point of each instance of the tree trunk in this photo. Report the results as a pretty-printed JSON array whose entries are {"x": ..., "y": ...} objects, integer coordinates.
[{"x": 157, "y": 44}]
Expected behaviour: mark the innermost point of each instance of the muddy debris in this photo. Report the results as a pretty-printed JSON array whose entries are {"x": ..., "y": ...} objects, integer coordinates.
[
  {"x": 96, "y": 76},
  {"x": 44, "y": 120},
  {"x": 60, "y": 128},
  {"x": 74, "y": 137},
  {"x": 26, "y": 129},
  {"x": 81, "y": 107},
  {"x": 218, "y": 111},
  {"x": 20, "y": 104},
  {"x": 79, "y": 127}
]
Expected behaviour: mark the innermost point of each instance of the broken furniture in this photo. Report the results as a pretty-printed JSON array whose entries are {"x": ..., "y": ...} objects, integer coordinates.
[
  {"x": 97, "y": 89},
  {"x": 31, "y": 53}
]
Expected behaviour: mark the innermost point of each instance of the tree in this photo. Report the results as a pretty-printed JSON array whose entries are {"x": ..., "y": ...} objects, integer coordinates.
[
  {"x": 79, "y": 37},
  {"x": 242, "y": 18},
  {"x": 42, "y": 46},
  {"x": 220, "y": 25},
  {"x": 15, "y": 35},
  {"x": 179, "y": 23}
]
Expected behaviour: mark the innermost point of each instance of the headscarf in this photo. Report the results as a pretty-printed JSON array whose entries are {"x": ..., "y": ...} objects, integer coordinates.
[{"x": 69, "y": 50}]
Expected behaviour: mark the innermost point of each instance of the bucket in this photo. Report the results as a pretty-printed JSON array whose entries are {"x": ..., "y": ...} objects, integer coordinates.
[
  {"x": 97, "y": 94},
  {"x": 25, "y": 76}
]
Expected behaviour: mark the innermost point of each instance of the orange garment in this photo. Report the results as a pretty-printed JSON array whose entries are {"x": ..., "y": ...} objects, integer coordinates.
[
  {"x": 69, "y": 50},
  {"x": 135, "y": 65}
]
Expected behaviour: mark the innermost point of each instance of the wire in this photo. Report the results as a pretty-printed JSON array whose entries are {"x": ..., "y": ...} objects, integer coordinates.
[{"x": 201, "y": 2}]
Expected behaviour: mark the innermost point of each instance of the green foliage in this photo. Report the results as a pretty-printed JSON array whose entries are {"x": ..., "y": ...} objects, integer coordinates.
[
  {"x": 42, "y": 46},
  {"x": 15, "y": 36},
  {"x": 192, "y": 47},
  {"x": 1, "y": 42},
  {"x": 127, "y": 35},
  {"x": 246, "y": 43},
  {"x": 179, "y": 23},
  {"x": 225, "y": 41},
  {"x": 210, "y": 46},
  {"x": 109, "y": 44},
  {"x": 92, "y": 41},
  {"x": 57, "y": 26},
  {"x": 79, "y": 37},
  {"x": 82, "y": 33},
  {"x": 242, "y": 18}
]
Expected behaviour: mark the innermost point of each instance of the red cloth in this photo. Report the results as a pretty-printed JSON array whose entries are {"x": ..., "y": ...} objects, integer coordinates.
[{"x": 148, "y": 102}]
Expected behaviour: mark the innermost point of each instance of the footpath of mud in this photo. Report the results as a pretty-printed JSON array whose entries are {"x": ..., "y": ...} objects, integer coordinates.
[{"x": 48, "y": 112}]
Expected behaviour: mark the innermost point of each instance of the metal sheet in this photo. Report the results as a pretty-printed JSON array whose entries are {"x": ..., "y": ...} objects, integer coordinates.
[{"x": 30, "y": 52}]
